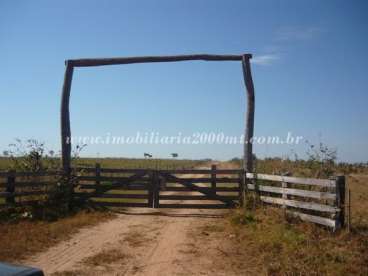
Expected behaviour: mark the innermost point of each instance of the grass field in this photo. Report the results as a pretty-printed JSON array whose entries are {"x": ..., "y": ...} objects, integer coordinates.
[
  {"x": 263, "y": 240},
  {"x": 128, "y": 163}
]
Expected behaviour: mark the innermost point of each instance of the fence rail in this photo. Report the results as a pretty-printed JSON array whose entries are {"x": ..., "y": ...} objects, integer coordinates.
[{"x": 319, "y": 201}]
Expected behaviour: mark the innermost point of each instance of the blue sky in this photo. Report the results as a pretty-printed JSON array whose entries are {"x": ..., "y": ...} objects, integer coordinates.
[{"x": 309, "y": 69}]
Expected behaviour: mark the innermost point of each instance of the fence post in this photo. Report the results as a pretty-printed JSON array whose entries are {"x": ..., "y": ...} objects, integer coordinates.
[
  {"x": 284, "y": 185},
  {"x": 10, "y": 187},
  {"x": 156, "y": 187},
  {"x": 98, "y": 174},
  {"x": 241, "y": 188},
  {"x": 340, "y": 200},
  {"x": 213, "y": 179},
  {"x": 151, "y": 190}
]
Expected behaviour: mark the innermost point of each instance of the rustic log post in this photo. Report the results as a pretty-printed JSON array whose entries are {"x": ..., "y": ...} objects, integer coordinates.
[
  {"x": 213, "y": 179},
  {"x": 98, "y": 174},
  {"x": 284, "y": 186},
  {"x": 156, "y": 186},
  {"x": 349, "y": 210},
  {"x": 65, "y": 119},
  {"x": 340, "y": 201},
  {"x": 10, "y": 187},
  {"x": 241, "y": 188},
  {"x": 151, "y": 190},
  {"x": 249, "y": 128}
]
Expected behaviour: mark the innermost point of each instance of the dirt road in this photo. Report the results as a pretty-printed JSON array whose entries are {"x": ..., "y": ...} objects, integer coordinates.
[{"x": 143, "y": 241}]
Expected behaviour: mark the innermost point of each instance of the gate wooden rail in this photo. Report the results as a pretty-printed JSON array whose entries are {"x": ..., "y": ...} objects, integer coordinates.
[
  {"x": 320, "y": 201},
  {"x": 193, "y": 188}
]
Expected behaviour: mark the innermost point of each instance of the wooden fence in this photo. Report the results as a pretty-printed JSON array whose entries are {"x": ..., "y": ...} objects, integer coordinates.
[{"x": 319, "y": 201}]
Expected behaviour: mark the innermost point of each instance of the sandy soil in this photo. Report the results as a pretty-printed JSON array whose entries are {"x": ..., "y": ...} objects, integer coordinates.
[
  {"x": 143, "y": 241},
  {"x": 170, "y": 242}
]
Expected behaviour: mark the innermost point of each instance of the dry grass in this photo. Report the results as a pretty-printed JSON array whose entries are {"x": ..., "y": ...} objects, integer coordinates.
[
  {"x": 23, "y": 238},
  {"x": 136, "y": 239},
  {"x": 279, "y": 248},
  {"x": 106, "y": 257}
]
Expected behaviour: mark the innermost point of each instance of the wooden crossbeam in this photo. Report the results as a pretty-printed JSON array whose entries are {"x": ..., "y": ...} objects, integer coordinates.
[
  {"x": 193, "y": 187},
  {"x": 86, "y": 62}
]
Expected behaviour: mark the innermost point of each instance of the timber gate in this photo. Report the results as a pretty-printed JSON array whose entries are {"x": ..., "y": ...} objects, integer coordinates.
[{"x": 186, "y": 188}]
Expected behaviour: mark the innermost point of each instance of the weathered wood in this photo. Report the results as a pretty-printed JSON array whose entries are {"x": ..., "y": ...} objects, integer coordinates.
[
  {"x": 300, "y": 204},
  {"x": 349, "y": 210},
  {"x": 340, "y": 200},
  {"x": 293, "y": 180},
  {"x": 31, "y": 174},
  {"x": 148, "y": 59},
  {"x": 5, "y": 194},
  {"x": 188, "y": 184},
  {"x": 249, "y": 127},
  {"x": 151, "y": 190},
  {"x": 110, "y": 195},
  {"x": 200, "y": 189},
  {"x": 156, "y": 190},
  {"x": 65, "y": 119},
  {"x": 195, "y": 197},
  {"x": 284, "y": 186},
  {"x": 119, "y": 204},
  {"x": 98, "y": 175},
  {"x": 195, "y": 206},
  {"x": 111, "y": 170},
  {"x": 31, "y": 184},
  {"x": 204, "y": 180},
  {"x": 241, "y": 189},
  {"x": 213, "y": 178},
  {"x": 117, "y": 186},
  {"x": 109, "y": 178},
  {"x": 315, "y": 219},
  {"x": 104, "y": 188},
  {"x": 295, "y": 192},
  {"x": 10, "y": 188},
  {"x": 201, "y": 171}
]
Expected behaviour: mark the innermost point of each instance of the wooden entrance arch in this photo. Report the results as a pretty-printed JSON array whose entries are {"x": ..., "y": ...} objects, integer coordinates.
[{"x": 70, "y": 64}]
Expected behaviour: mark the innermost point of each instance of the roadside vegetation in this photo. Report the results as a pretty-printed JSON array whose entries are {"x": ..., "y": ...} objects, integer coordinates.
[
  {"x": 262, "y": 239},
  {"x": 22, "y": 237}
]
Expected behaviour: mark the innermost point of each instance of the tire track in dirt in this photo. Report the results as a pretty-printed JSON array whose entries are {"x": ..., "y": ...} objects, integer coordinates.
[{"x": 169, "y": 246}]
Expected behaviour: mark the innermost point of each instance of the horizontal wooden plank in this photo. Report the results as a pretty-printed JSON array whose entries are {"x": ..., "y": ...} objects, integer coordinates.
[
  {"x": 31, "y": 193},
  {"x": 195, "y": 206},
  {"x": 26, "y": 193},
  {"x": 315, "y": 219},
  {"x": 300, "y": 204},
  {"x": 294, "y": 180},
  {"x": 138, "y": 187},
  {"x": 201, "y": 171},
  {"x": 112, "y": 170},
  {"x": 295, "y": 192},
  {"x": 193, "y": 197},
  {"x": 110, "y": 195},
  {"x": 24, "y": 202},
  {"x": 119, "y": 204},
  {"x": 185, "y": 189},
  {"x": 30, "y": 174},
  {"x": 109, "y": 178},
  {"x": 205, "y": 180},
  {"x": 31, "y": 184},
  {"x": 147, "y": 59},
  {"x": 4, "y": 194}
]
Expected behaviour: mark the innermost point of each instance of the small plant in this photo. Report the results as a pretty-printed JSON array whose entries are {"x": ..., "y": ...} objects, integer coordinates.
[
  {"x": 321, "y": 160},
  {"x": 32, "y": 156},
  {"x": 243, "y": 217}
]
